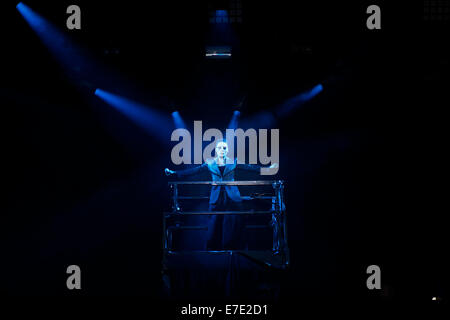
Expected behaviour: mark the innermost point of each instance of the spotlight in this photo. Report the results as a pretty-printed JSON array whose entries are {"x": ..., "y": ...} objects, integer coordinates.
[
  {"x": 151, "y": 120},
  {"x": 75, "y": 59},
  {"x": 178, "y": 121},
  {"x": 293, "y": 103},
  {"x": 234, "y": 120}
]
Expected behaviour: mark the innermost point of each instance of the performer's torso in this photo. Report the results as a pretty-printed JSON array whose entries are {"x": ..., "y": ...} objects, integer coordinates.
[{"x": 226, "y": 173}]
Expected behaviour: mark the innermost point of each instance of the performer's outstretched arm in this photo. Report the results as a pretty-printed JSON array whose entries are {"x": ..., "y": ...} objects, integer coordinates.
[
  {"x": 187, "y": 172},
  {"x": 255, "y": 168},
  {"x": 248, "y": 167}
]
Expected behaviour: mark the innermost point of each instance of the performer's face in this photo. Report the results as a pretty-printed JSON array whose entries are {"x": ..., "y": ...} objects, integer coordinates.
[{"x": 222, "y": 149}]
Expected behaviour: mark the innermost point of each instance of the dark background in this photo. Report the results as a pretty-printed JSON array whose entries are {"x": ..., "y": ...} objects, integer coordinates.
[{"x": 86, "y": 185}]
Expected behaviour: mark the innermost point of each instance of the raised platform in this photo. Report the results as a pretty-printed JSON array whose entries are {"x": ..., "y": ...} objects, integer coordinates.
[{"x": 223, "y": 274}]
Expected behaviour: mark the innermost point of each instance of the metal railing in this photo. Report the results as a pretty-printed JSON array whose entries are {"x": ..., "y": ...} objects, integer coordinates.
[
  {"x": 276, "y": 184},
  {"x": 278, "y": 212}
]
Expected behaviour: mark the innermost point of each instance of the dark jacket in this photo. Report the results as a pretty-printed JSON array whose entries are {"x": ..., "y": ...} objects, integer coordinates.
[{"x": 228, "y": 175}]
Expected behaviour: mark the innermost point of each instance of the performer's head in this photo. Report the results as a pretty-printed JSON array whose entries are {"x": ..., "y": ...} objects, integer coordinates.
[{"x": 221, "y": 149}]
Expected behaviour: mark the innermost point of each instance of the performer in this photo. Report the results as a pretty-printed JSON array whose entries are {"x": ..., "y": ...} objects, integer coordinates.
[{"x": 225, "y": 231}]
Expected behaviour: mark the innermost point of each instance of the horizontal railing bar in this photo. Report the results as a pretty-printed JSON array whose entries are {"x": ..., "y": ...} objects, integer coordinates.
[
  {"x": 188, "y": 227},
  {"x": 242, "y": 197},
  {"x": 228, "y": 183},
  {"x": 217, "y": 212},
  {"x": 181, "y": 252},
  {"x": 192, "y": 198}
]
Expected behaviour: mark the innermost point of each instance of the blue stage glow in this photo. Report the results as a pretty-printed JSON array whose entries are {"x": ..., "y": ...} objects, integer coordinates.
[
  {"x": 55, "y": 40},
  {"x": 260, "y": 120},
  {"x": 178, "y": 121},
  {"x": 221, "y": 13},
  {"x": 221, "y": 16},
  {"x": 234, "y": 120},
  {"x": 152, "y": 121},
  {"x": 266, "y": 119},
  {"x": 297, "y": 101},
  {"x": 44, "y": 28},
  {"x": 81, "y": 67},
  {"x": 316, "y": 90}
]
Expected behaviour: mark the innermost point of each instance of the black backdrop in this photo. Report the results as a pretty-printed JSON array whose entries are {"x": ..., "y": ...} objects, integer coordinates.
[{"x": 86, "y": 186}]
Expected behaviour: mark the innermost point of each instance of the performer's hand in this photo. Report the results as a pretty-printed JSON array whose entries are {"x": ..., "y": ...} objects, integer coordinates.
[
  {"x": 169, "y": 172},
  {"x": 274, "y": 165}
]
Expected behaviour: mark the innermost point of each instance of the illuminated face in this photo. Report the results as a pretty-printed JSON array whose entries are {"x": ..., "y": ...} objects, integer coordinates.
[{"x": 222, "y": 149}]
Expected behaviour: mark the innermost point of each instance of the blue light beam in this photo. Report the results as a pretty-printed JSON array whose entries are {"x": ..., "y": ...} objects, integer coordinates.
[
  {"x": 178, "y": 121},
  {"x": 79, "y": 64},
  {"x": 297, "y": 101},
  {"x": 234, "y": 120},
  {"x": 152, "y": 121},
  {"x": 58, "y": 43}
]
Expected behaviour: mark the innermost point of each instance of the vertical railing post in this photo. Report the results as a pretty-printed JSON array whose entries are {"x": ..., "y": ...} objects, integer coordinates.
[
  {"x": 175, "y": 207},
  {"x": 164, "y": 234},
  {"x": 284, "y": 224},
  {"x": 276, "y": 218}
]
